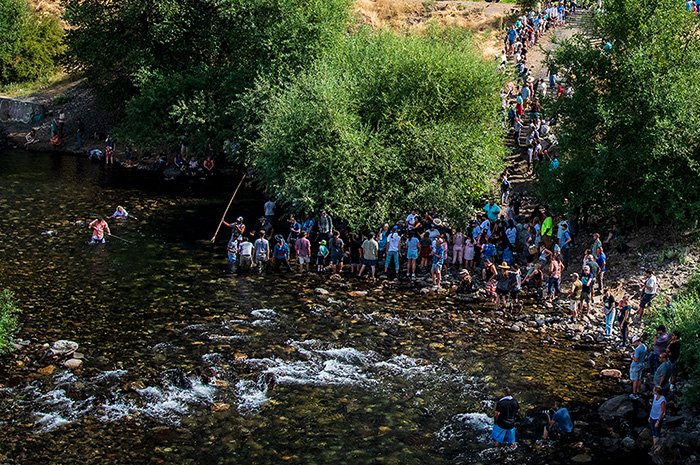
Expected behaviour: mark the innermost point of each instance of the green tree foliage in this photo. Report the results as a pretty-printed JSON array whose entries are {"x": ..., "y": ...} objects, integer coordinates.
[
  {"x": 629, "y": 136},
  {"x": 684, "y": 316},
  {"x": 182, "y": 66},
  {"x": 30, "y": 45},
  {"x": 382, "y": 124},
  {"x": 8, "y": 318}
]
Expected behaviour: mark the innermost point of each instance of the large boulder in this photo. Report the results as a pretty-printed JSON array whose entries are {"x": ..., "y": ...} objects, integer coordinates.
[{"x": 620, "y": 407}]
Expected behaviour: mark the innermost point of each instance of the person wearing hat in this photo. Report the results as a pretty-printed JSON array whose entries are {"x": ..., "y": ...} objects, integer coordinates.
[
  {"x": 261, "y": 251},
  {"x": 369, "y": 251},
  {"x": 637, "y": 366},
  {"x": 280, "y": 253},
  {"x": 503, "y": 285},
  {"x": 323, "y": 252},
  {"x": 432, "y": 232},
  {"x": 264, "y": 226},
  {"x": 465, "y": 284},
  {"x": 238, "y": 228}
]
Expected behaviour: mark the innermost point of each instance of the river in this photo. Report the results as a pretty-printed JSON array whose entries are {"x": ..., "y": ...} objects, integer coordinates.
[{"x": 188, "y": 364}]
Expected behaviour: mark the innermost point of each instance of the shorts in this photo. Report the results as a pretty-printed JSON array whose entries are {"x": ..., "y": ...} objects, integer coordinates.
[
  {"x": 646, "y": 300},
  {"x": 514, "y": 295},
  {"x": 97, "y": 240},
  {"x": 245, "y": 261},
  {"x": 436, "y": 268},
  {"x": 304, "y": 260},
  {"x": 585, "y": 296},
  {"x": 555, "y": 431},
  {"x": 366, "y": 262},
  {"x": 573, "y": 305},
  {"x": 503, "y": 436},
  {"x": 260, "y": 260},
  {"x": 425, "y": 252},
  {"x": 636, "y": 373},
  {"x": 412, "y": 254},
  {"x": 321, "y": 260},
  {"x": 502, "y": 292},
  {"x": 335, "y": 259}
]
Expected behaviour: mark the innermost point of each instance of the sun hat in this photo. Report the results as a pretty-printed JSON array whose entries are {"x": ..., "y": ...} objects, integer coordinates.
[
  {"x": 240, "y": 218},
  {"x": 437, "y": 221},
  {"x": 463, "y": 272},
  {"x": 504, "y": 266}
]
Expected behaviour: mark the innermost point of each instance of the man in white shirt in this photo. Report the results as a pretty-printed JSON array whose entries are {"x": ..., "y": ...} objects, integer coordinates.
[
  {"x": 411, "y": 220},
  {"x": 245, "y": 249},
  {"x": 649, "y": 290},
  {"x": 392, "y": 249}
]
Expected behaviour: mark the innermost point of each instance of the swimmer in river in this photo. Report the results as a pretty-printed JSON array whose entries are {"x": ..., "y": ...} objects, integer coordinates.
[
  {"x": 99, "y": 226},
  {"x": 119, "y": 213}
]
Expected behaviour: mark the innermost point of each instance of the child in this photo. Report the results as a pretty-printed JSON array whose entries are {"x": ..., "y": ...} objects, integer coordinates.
[{"x": 322, "y": 254}]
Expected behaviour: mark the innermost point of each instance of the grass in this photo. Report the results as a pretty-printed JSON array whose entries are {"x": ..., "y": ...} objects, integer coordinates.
[
  {"x": 20, "y": 89},
  {"x": 9, "y": 312}
]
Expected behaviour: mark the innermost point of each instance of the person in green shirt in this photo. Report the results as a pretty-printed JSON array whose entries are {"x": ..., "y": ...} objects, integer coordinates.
[
  {"x": 575, "y": 295},
  {"x": 321, "y": 257},
  {"x": 547, "y": 230}
]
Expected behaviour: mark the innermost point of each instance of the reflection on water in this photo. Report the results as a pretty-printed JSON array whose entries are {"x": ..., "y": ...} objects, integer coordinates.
[{"x": 186, "y": 364}]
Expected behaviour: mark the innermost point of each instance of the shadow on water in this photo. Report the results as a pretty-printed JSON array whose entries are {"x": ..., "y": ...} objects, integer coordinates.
[{"x": 186, "y": 364}]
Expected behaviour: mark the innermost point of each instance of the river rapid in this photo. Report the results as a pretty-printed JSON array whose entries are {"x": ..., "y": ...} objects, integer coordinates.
[{"x": 185, "y": 363}]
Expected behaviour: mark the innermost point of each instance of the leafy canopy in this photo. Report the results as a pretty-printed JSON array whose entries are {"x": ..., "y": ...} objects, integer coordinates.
[
  {"x": 382, "y": 124},
  {"x": 629, "y": 136},
  {"x": 30, "y": 44}
]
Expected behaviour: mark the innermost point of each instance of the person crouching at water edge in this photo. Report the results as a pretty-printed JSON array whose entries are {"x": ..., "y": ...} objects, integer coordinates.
[
  {"x": 99, "y": 226},
  {"x": 504, "y": 419}
]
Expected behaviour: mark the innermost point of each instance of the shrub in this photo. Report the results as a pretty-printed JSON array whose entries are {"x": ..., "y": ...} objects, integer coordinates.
[
  {"x": 31, "y": 44},
  {"x": 684, "y": 316},
  {"x": 8, "y": 318},
  {"x": 382, "y": 124}
]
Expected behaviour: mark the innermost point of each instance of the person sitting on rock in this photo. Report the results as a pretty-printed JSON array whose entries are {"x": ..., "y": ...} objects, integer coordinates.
[
  {"x": 31, "y": 138},
  {"x": 559, "y": 423},
  {"x": 465, "y": 284}
]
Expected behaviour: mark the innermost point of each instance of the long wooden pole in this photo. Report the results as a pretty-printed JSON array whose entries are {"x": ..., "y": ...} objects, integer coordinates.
[{"x": 229, "y": 206}]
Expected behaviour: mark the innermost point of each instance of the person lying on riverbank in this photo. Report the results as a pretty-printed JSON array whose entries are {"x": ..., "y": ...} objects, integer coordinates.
[
  {"x": 99, "y": 226},
  {"x": 31, "y": 138}
]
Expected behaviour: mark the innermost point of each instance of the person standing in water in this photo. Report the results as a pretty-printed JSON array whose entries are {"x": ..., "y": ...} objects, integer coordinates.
[{"x": 99, "y": 226}]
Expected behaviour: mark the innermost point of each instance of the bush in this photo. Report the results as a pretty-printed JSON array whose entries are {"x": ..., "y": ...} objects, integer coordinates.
[
  {"x": 629, "y": 136},
  {"x": 31, "y": 44},
  {"x": 382, "y": 124},
  {"x": 684, "y": 317},
  {"x": 8, "y": 318}
]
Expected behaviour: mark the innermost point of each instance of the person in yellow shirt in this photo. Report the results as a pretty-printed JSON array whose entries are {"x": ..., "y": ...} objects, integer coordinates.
[{"x": 547, "y": 229}]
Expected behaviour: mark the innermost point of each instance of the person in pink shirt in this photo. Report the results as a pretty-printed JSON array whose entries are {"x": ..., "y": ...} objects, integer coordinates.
[
  {"x": 303, "y": 248},
  {"x": 99, "y": 226}
]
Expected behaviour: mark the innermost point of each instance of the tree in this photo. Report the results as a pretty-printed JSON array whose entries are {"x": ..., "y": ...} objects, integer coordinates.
[
  {"x": 30, "y": 45},
  {"x": 629, "y": 135},
  {"x": 382, "y": 124},
  {"x": 176, "y": 67}
]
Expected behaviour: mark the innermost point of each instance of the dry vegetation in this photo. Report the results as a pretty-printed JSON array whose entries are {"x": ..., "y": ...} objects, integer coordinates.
[{"x": 401, "y": 15}]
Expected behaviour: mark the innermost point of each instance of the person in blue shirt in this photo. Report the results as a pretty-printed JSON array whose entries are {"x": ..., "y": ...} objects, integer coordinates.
[
  {"x": 559, "y": 424},
  {"x": 601, "y": 261},
  {"x": 565, "y": 244}
]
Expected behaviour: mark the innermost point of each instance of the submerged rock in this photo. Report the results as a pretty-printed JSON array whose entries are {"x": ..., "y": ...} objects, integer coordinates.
[
  {"x": 64, "y": 347},
  {"x": 73, "y": 363}
]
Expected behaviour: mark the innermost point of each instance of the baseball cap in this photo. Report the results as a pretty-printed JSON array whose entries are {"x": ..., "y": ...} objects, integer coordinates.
[
  {"x": 636, "y": 338},
  {"x": 240, "y": 218}
]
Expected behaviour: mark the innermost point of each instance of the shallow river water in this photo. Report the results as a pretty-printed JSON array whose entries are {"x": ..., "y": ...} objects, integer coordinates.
[{"x": 188, "y": 364}]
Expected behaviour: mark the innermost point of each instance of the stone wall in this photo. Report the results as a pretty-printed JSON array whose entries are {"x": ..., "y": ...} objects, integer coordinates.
[{"x": 18, "y": 111}]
